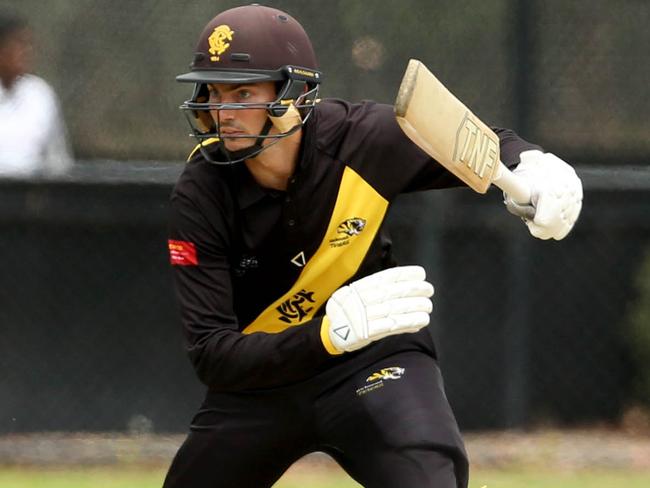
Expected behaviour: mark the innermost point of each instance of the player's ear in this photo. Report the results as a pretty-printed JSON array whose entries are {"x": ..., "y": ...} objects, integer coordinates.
[{"x": 204, "y": 120}]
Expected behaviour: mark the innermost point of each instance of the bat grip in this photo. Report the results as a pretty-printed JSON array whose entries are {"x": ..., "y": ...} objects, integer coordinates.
[{"x": 516, "y": 188}]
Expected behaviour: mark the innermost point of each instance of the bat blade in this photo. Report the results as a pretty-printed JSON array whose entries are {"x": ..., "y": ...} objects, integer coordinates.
[{"x": 442, "y": 126}]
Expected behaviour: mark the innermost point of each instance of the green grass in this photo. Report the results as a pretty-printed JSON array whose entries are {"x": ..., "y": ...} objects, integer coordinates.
[
  {"x": 302, "y": 477},
  {"x": 550, "y": 478},
  {"x": 122, "y": 477}
]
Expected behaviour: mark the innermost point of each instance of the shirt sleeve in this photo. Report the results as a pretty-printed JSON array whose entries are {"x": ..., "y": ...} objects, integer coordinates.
[
  {"x": 512, "y": 145},
  {"x": 387, "y": 158},
  {"x": 433, "y": 175},
  {"x": 224, "y": 358}
]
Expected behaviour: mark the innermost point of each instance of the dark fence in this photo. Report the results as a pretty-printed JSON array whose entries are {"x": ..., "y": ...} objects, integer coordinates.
[{"x": 529, "y": 332}]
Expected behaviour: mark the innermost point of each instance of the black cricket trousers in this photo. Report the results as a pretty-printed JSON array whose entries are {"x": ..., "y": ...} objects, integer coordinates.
[{"x": 388, "y": 425}]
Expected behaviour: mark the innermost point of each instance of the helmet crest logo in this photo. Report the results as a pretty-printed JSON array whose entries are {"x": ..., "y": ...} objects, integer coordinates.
[{"x": 218, "y": 41}]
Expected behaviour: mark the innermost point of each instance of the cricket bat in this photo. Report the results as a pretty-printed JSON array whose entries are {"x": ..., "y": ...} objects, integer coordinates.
[{"x": 434, "y": 119}]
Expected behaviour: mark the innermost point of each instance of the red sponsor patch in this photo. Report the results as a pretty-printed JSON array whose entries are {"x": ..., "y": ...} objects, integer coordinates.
[{"x": 182, "y": 253}]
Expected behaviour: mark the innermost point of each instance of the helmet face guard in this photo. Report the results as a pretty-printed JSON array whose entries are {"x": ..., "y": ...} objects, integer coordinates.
[
  {"x": 287, "y": 113},
  {"x": 247, "y": 45}
]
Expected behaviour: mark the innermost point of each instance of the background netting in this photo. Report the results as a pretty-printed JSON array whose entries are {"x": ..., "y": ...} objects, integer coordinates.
[
  {"x": 529, "y": 332},
  {"x": 571, "y": 75}
]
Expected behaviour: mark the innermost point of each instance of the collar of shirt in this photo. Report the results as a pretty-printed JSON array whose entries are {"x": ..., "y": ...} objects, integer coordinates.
[{"x": 249, "y": 191}]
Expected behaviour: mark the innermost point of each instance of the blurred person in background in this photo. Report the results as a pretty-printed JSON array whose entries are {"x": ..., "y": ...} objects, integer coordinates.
[
  {"x": 296, "y": 317},
  {"x": 32, "y": 132}
]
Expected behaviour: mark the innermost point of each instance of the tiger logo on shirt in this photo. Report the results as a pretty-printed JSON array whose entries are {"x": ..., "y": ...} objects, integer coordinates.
[{"x": 351, "y": 227}]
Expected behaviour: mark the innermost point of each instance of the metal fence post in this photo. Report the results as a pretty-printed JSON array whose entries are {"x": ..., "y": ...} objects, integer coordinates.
[{"x": 516, "y": 333}]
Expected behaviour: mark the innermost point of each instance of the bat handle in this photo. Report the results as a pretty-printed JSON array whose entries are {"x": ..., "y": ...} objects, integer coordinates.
[{"x": 516, "y": 188}]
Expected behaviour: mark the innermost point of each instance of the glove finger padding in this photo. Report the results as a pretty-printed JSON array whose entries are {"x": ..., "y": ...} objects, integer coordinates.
[
  {"x": 401, "y": 323},
  {"x": 556, "y": 195},
  {"x": 391, "y": 275},
  {"x": 404, "y": 305},
  {"x": 401, "y": 289},
  {"x": 389, "y": 302}
]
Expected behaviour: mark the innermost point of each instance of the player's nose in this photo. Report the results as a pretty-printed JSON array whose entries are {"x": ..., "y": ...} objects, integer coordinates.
[{"x": 224, "y": 114}]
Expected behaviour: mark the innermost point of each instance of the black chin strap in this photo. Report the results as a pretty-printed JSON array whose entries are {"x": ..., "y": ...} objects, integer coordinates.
[
  {"x": 233, "y": 157},
  {"x": 249, "y": 152}
]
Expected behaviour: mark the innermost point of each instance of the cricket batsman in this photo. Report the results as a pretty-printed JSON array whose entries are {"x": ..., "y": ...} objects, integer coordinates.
[{"x": 306, "y": 333}]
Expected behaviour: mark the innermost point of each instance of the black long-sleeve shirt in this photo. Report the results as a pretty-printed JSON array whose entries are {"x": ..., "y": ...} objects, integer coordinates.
[{"x": 254, "y": 267}]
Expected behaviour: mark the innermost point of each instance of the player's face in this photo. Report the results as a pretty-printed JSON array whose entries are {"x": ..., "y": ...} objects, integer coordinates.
[{"x": 241, "y": 122}]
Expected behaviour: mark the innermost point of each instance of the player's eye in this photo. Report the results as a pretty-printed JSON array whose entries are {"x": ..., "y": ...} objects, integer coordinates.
[{"x": 244, "y": 94}]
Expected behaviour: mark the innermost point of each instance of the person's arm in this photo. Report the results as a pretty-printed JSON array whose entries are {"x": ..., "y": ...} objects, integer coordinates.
[
  {"x": 224, "y": 358},
  {"x": 433, "y": 175},
  {"x": 512, "y": 145},
  {"x": 556, "y": 190},
  {"x": 376, "y": 147},
  {"x": 56, "y": 157}
]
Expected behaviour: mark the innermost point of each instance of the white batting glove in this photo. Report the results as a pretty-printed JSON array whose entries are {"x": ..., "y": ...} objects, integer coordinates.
[
  {"x": 392, "y": 301},
  {"x": 556, "y": 195}
]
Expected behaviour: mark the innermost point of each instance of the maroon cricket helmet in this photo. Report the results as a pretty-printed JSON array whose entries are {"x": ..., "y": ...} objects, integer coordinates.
[{"x": 250, "y": 44}]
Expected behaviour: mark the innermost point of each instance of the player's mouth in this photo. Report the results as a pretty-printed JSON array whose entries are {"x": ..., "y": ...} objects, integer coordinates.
[{"x": 231, "y": 132}]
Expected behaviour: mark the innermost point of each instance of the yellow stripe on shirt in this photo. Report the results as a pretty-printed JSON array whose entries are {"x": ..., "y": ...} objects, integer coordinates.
[{"x": 355, "y": 221}]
